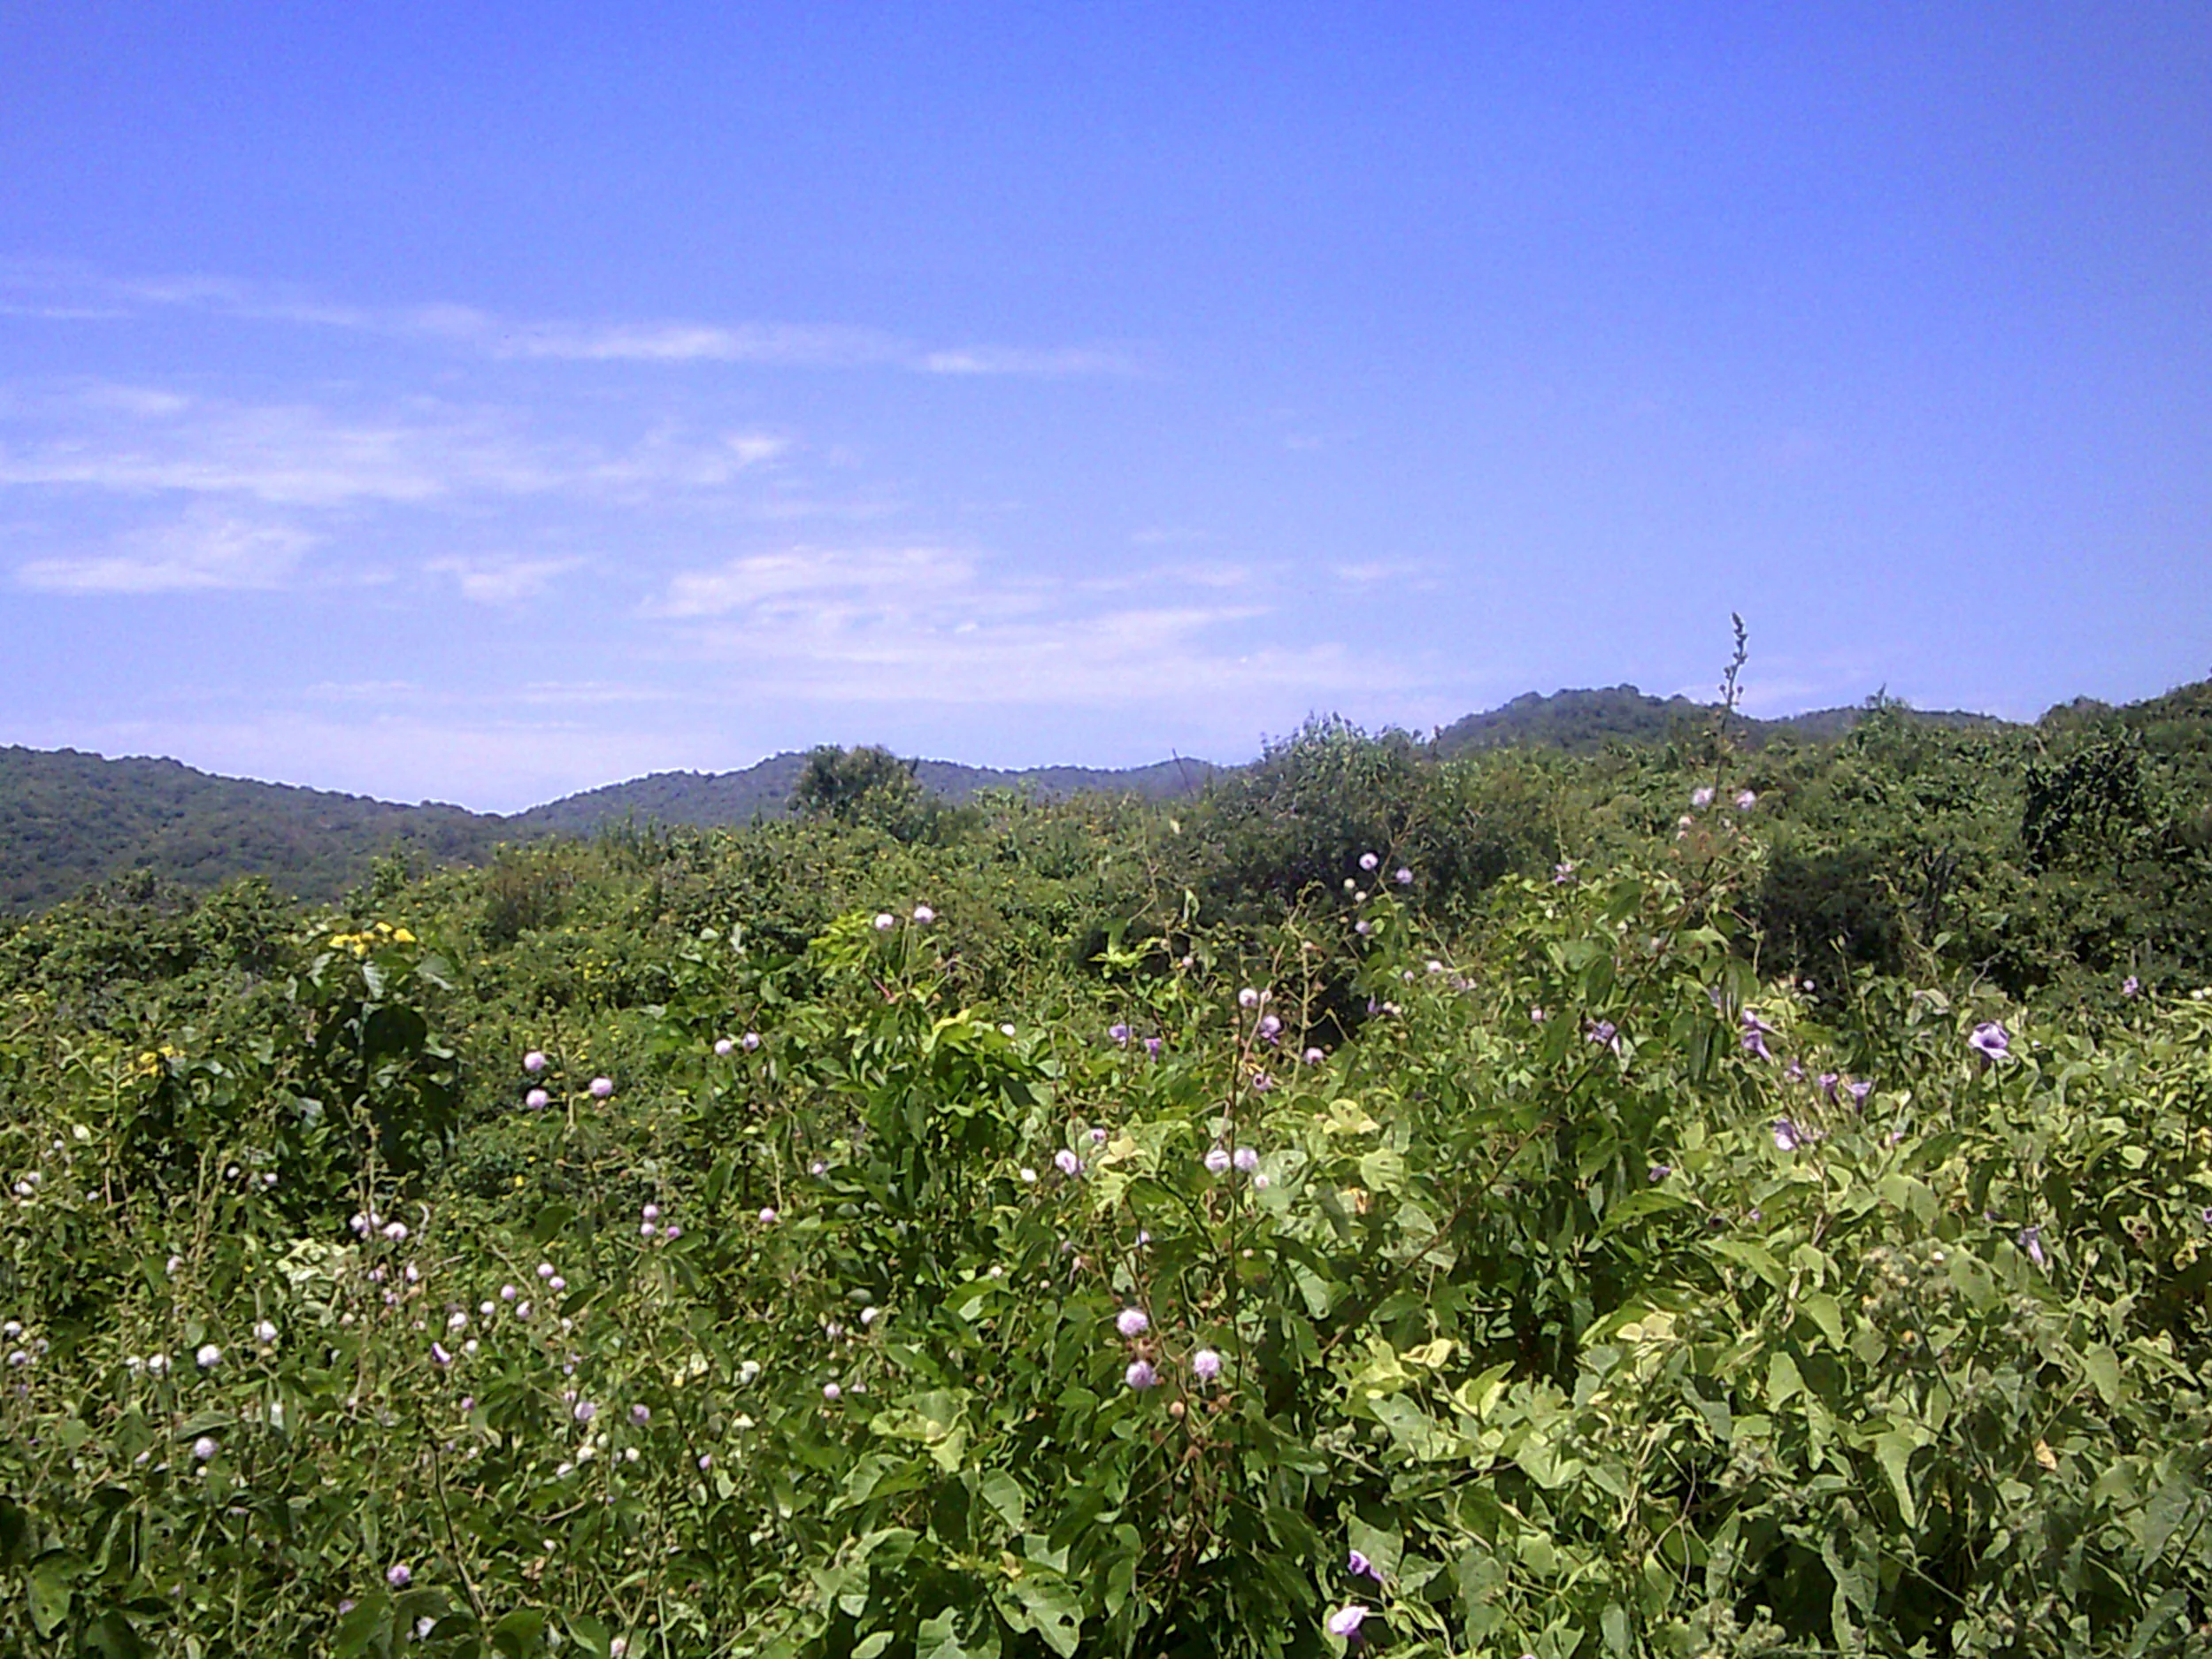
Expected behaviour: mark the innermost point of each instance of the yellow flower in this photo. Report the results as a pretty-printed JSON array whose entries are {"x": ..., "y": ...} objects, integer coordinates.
[{"x": 400, "y": 935}]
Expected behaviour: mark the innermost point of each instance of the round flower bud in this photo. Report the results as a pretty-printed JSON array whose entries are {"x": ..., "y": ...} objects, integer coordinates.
[{"x": 534, "y": 1061}]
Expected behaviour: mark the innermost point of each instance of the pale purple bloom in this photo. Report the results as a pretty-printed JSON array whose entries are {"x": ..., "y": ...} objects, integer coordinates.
[
  {"x": 1119, "y": 1033},
  {"x": 1859, "y": 1091},
  {"x": 725, "y": 1047},
  {"x": 1362, "y": 927},
  {"x": 1098, "y": 1137},
  {"x": 1795, "y": 1071},
  {"x": 768, "y": 1216},
  {"x": 1248, "y": 998},
  {"x": 1701, "y": 797},
  {"x": 205, "y": 1449},
  {"x": 2032, "y": 1241},
  {"x": 1746, "y": 801},
  {"x": 1067, "y": 1162},
  {"x": 1247, "y": 1159},
  {"x": 537, "y": 1099},
  {"x": 438, "y": 1353},
  {"x": 1605, "y": 1034},
  {"x": 1218, "y": 1160},
  {"x": 399, "y": 1576},
  {"x": 640, "y": 1415},
  {"x": 1368, "y": 861},
  {"x": 925, "y": 915},
  {"x": 585, "y": 1411},
  {"x": 2131, "y": 986},
  {"x": 1205, "y": 1364},
  {"x": 1563, "y": 872},
  {"x": 831, "y": 1391},
  {"x": 885, "y": 921},
  {"x": 706, "y": 1462},
  {"x": 1659, "y": 1172},
  {"x": 1358, "y": 1565},
  {"x": 1314, "y": 1057},
  {"x": 1270, "y": 1026},
  {"x": 1828, "y": 1081},
  {"x": 1755, "y": 1042},
  {"x": 671, "y": 1233},
  {"x": 749, "y": 1041},
  {"x": 1261, "y": 1082},
  {"x": 545, "y": 1270},
  {"x": 1535, "y": 1016},
  {"x": 1141, "y": 1374},
  {"x": 1991, "y": 1040},
  {"x": 1152, "y": 1047},
  {"x": 1788, "y": 1136},
  {"x": 534, "y": 1061},
  {"x": 397, "y": 1231},
  {"x": 651, "y": 1212},
  {"x": 557, "y": 1283},
  {"x": 1346, "y": 1621},
  {"x": 1260, "y": 1183},
  {"x": 1132, "y": 1322},
  {"x": 209, "y": 1356},
  {"x": 1404, "y": 877},
  {"x": 602, "y": 1087}
]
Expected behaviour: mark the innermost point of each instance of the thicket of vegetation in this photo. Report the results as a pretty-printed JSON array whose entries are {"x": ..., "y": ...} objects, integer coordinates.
[{"x": 1665, "y": 1201}]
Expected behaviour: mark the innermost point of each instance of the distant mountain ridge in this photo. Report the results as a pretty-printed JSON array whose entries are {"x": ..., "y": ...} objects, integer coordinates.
[
  {"x": 69, "y": 820},
  {"x": 1583, "y": 721}
]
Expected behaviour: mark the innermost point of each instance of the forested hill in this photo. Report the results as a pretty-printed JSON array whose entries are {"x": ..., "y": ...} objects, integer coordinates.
[
  {"x": 69, "y": 820},
  {"x": 713, "y": 799},
  {"x": 1583, "y": 721}
]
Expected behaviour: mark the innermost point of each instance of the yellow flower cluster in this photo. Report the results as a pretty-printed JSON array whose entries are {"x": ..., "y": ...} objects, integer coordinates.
[
  {"x": 149, "y": 1063},
  {"x": 376, "y": 935}
]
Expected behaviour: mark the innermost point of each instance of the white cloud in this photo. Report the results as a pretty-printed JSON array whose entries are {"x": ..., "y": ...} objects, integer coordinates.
[
  {"x": 202, "y": 552},
  {"x": 931, "y": 624},
  {"x": 87, "y": 295},
  {"x": 135, "y": 439},
  {"x": 502, "y": 582}
]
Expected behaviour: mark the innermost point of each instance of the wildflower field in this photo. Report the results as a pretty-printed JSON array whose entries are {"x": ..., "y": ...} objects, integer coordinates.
[{"x": 1533, "y": 1206}]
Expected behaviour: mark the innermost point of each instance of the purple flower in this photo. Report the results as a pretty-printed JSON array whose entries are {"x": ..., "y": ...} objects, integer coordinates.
[
  {"x": 831, "y": 1391},
  {"x": 1247, "y": 1159},
  {"x": 1132, "y": 1322},
  {"x": 1141, "y": 1374},
  {"x": 399, "y": 1575},
  {"x": 1794, "y": 1072},
  {"x": 1205, "y": 1364},
  {"x": 2031, "y": 1242},
  {"x": 1248, "y": 998},
  {"x": 1828, "y": 1081},
  {"x": 1368, "y": 861},
  {"x": 438, "y": 1352},
  {"x": 885, "y": 921},
  {"x": 1346, "y": 1621},
  {"x": 1604, "y": 1033},
  {"x": 1152, "y": 1048},
  {"x": 925, "y": 915},
  {"x": 1218, "y": 1160},
  {"x": 1755, "y": 1042},
  {"x": 1859, "y": 1091},
  {"x": 602, "y": 1087},
  {"x": 1362, "y": 927},
  {"x": 1788, "y": 1136},
  {"x": 585, "y": 1412},
  {"x": 749, "y": 1041},
  {"x": 1746, "y": 801},
  {"x": 1119, "y": 1033},
  {"x": 1701, "y": 797},
  {"x": 1098, "y": 1137},
  {"x": 1313, "y": 1056},
  {"x": 1404, "y": 877},
  {"x": 1261, "y": 1082},
  {"x": 640, "y": 1415},
  {"x": 205, "y": 1449},
  {"x": 1991, "y": 1040},
  {"x": 1271, "y": 1027},
  {"x": 1068, "y": 1163},
  {"x": 725, "y": 1047},
  {"x": 533, "y": 1062},
  {"x": 1563, "y": 872},
  {"x": 1658, "y": 1173},
  {"x": 1358, "y": 1565},
  {"x": 2131, "y": 986},
  {"x": 768, "y": 1216},
  {"x": 537, "y": 1099}
]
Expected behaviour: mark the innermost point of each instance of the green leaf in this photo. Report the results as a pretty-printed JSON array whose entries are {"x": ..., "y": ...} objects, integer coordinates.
[
  {"x": 873, "y": 1645},
  {"x": 2101, "y": 1365},
  {"x": 1821, "y": 1309},
  {"x": 370, "y": 1618},
  {"x": 1893, "y": 1451},
  {"x": 516, "y": 1633},
  {"x": 591, "y": 1635},
  {"x": 53, "y": 1578}
]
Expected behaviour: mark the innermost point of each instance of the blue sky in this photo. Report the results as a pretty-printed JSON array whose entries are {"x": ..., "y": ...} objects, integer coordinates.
[{"x": 483, "y": 402}]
